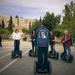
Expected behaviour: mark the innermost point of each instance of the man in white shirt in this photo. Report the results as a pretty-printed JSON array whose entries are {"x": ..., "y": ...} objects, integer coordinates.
[{"x": 16, "y": 37}]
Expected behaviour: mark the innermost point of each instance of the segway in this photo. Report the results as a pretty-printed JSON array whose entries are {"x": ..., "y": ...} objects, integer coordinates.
[
  {"x": 0, "y": 45},
  {"x": 32, "y": 53},
  {"x": 36, "y": 68},
  {"x": 15, "y": 54},
  {"x": 53, "y": 55},
  {"x": 68, "y": 59}
]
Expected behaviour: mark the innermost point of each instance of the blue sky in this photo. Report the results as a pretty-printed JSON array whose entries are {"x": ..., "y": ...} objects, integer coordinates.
[{"x": 31, "y": 8}]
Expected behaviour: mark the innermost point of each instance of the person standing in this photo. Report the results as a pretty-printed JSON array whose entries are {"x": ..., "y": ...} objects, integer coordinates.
[
  {"x": 52, "y": 42},
  {"x": 42, "y": 37},
  {"x": 16, "y": 37},
  {"x": 33, "y": 40},
  {"x": 0, "y": 41},
  {"x": 66, "y": 43}
]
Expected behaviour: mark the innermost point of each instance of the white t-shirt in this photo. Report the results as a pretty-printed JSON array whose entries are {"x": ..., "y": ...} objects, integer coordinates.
[{"x": 16, "y": 36}]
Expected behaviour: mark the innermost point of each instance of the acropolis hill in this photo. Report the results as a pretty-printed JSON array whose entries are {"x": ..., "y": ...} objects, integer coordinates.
[{"x": 17, "y": 22}]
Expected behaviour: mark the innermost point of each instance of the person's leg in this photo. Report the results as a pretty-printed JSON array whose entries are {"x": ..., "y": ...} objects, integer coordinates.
[
  {"x": 36, "y": 49},
  {"x": 17, "y": 45},
  {"x": 45, "y": 49},
  {"x": 14, "y": 45},
  {"x": 54, "y": 49},
  {"x": 40, "y": 57},
  {"x": 69, "y": 51},
  {"x": 51, "y": 48},
  {"x": 65, "y": 53},
  {"x": 33, "y": 46}
]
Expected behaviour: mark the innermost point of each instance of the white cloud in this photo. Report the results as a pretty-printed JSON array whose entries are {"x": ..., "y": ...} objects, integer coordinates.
[
  {"x": 55, "y": 6},
  {"x": 34, "y": 3}
]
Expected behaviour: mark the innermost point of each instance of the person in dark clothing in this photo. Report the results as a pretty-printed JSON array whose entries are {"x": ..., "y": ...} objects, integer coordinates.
[
  {"x": 42, "y": 37},
  {"x": 33, "y": 40},
  {"x": 52, "y": 42},
  {"x": 66, "y": 43},
  {"x": 0, "y": 41}
]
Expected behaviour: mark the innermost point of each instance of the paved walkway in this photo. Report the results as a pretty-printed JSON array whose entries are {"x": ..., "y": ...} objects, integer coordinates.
[{"x": 25, "y": 65}]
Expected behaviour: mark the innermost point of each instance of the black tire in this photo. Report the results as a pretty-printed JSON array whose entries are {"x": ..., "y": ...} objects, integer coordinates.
[
  {"x": 20, "y": 54},
  {"x": 62, "y": 56},
  {"x": 70, "y": 60},
  {"x": 12, "y": 54},
  {"x": 57, "y": 56},
  {"x": 49, "y": 67},
  {"x": 53, "y": 56},
  {"x": 67, "y": 59},
  {"x": 30, "y": 53},
  {"x": 0, "y": 45},
  {"x": 50, "y": 55}
]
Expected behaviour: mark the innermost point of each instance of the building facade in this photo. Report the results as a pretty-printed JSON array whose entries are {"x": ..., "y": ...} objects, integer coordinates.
[{"x": 17, "y": 22}]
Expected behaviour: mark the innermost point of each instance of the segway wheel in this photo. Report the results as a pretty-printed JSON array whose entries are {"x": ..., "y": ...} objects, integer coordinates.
[
  {"x": 57, "y": 56},
  {"x": 30, "y": 53},
  {"x": 50, "y": 55},
  {"x": 54, "y": 55},
  {"x": 12, "y": 54},
  {"x": 70, "y": 60},
  {"x": 20, "y": 54},
  {"x": 0, "y": 45},
  {"x": 36, "y": 67},
  {"x": 62, "y": 56}
]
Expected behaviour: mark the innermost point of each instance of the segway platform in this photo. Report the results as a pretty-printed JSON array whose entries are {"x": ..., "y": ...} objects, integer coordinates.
[
  {"x": 67, "y": 59},
  {"x": 53, "y": 55},
  {"x": 15, "y": 54},
  {"x": 42, "y": 71},
  {"x": 31, "y": 53}
]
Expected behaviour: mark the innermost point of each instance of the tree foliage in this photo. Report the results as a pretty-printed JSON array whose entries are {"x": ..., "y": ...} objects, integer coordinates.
[
  {"x": 17, "y": 19},
  {"x": 69, "y": 17},
  {"x": 3, "y": 24},
  {"x": 51, "y": 21},
  {"x": 35, "y": 25},
  {"x": 10, "y": 25}
]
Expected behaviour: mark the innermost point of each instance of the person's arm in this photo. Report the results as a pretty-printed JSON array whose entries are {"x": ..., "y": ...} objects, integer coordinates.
[
  {"x": 62, "y": 39},
  {"x": 13, "y": 35},
  {"x": 50, "y": 38},
  {"x": 68, "y": 38},
  {"x": 35, "y": 37}
]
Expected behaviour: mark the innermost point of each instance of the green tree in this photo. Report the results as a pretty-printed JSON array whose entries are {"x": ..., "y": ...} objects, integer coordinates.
[
  {"x": 10, "y": 25},
  {"x": 51, "y": 21},
  {"x": 3, "y": 24},
  {"x": 69, "y": 17},
  {"x": 24, "y": 30},
  {"x": 35, "y": 25},
  {"x": 29, "y": 26},
  {"x": 59, "y": 30},
  {"x": 17, "y": 19}
]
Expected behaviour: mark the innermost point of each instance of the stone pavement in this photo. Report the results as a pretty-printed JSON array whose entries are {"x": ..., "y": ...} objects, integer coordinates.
[{"x": 25, "y": 65}]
